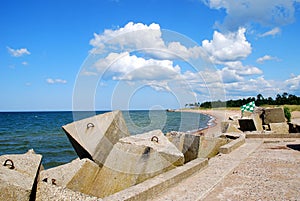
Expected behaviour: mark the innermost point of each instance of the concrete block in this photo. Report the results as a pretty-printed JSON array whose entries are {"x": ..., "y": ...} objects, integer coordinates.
[
  {"x": 195, "y": 146},
  {"x": 176, "y": 138},
  {"x": 152, "y": 187},
  {"x": 294, "y": 128},
  {"x": 232, "y": 135},
  {"x": 246, "y": 114},
  {"x": 247, "y": 125},
  {"x": 209, "y": 146},
  {"x": 272, "y": 135},
  {"x": 273, "y": 115},
  {"x": 191, "y": 147},
  {"x": 279, "y": 128},
  {"x": 77, "y": 175},
  {"x": 257, "y": 121},
  {"x": 225, "y": 125},
  {"x": 135, "y": 159},
  {"x": 230, "y": 127},
  {"x": 50, "y": 192},
  {"x": 187, "y": 143},
  {"x": 234, "y": 117},
  {"x": 94, "y": 137},
  {"x": 234, "y": 144},
  {"x": 18, "y": 178}
]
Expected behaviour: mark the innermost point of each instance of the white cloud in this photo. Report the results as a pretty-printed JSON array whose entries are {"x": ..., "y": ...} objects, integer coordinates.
[
  {"x": 263, "y": 12},
  {"x": 272, "y": 32},
  {"x": 252, "y": 87},
  {"x": 55, "y": 81},
  {"x": 293, "y": 84},
  {"x": 144, "y": 38},
  {"x": 232, "y": 72},
  {"x": 124, "y": 66},
  {"x": 155, "y": 65},
  {"x": 266, "y": 58},
  {"x": 24, "y": 63},
  {"x": 130, "y": 36},
  {"x": 242, "y": 70},
  {"x": 230, "y": 75},
  {"x": 227, "y": 47},
  {"x": 18, "y": 52}
]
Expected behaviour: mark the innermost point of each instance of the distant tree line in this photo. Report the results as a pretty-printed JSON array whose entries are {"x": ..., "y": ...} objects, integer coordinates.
[{"x": 284, "y": 99}]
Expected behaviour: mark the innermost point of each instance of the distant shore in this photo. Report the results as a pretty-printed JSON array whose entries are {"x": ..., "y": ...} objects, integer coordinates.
[{"x": 219, "y": 115}]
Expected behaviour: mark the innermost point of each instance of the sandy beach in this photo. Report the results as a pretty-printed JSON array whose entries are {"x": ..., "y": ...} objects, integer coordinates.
[
  {"x": 223, "y": 114},
  {"x": 218, "y": 116}
]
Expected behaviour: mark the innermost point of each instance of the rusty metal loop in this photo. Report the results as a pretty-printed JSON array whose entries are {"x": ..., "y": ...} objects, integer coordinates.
[
  {"x": 11, "y": 165},
  {"x": 89, "y": 125},
  {"x": 154, "y": 138},
  {"x": 53, "y": 181}
]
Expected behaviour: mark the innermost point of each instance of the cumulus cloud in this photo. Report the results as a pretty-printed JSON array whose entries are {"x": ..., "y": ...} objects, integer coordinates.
[
  {"x": 251, "y": 87},
  {"x": 266, "y": 58},
  {"x": 18, "y": 52},
  {"x": 55, "y": 81},
  {"x": 293, "y": 84},
  {"x": 230, "y": 75},
  {"x": 272, "y": 32},
  {"x": 129, "y": 36},
  {"x": 242, "y": 70},
  {"x": 145, "y": 38},
  {"x": 227, "y": 47},
  {"x": 123, "y": 66},
  {"x": 156, "y": 67},
  {"x": 263, "y": 12}
]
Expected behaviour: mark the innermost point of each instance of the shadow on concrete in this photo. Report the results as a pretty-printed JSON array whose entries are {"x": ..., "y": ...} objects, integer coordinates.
[{"x": 294, "y": 146}]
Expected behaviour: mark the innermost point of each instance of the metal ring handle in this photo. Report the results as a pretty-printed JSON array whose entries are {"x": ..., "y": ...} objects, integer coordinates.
[
  {"x": 11, "y": 165},
  {"x": 89, "y": 125},
  {"x": 154, "y": 138}
]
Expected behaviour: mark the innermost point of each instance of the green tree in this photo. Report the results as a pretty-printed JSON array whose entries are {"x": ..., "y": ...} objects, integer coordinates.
[{"x": 287, "y": 113}]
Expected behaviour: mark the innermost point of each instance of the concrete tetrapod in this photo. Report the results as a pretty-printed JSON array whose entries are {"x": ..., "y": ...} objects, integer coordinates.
[
  {"x": 18, "y": 176},
  {"x": 135, "y": 159},
  {"x": 95, "y": 137}
]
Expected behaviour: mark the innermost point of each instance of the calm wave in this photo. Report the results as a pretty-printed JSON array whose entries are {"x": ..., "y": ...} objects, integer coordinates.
[{"x": 41, "y": 131}]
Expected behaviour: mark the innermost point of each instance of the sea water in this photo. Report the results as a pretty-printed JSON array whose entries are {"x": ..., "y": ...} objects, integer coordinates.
[{"x": 41, "y": 131}]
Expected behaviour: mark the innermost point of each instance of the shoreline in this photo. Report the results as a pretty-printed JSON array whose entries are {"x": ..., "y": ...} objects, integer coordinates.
[{"x": 217, "y": 116}]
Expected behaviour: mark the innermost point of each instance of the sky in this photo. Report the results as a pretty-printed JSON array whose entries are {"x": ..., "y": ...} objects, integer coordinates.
[{"x": 124, "y": 54}]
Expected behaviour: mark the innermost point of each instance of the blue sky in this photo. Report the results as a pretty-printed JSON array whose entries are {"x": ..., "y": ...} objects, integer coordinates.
[{"x": 117, "y": 54}]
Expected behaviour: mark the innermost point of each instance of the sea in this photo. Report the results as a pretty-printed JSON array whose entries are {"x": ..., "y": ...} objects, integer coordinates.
[{"x": 42, "y": 131}]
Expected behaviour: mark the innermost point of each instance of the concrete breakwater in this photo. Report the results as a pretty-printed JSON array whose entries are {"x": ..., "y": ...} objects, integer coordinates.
[
  {"x": 113, "y": 165},
  {"x": 110, "y": 161}
]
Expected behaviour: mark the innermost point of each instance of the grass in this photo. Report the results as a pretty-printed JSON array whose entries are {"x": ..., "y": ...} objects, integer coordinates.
[{"x": 291, "y": 107}]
